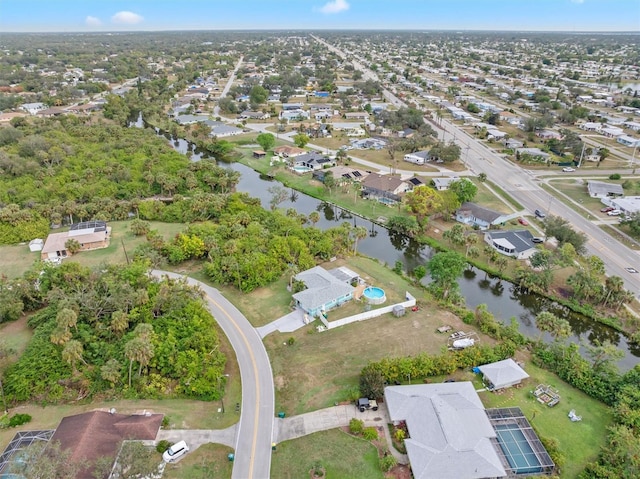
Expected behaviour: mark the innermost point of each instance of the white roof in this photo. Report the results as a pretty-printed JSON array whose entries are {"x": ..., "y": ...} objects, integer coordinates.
[
  {"x": 503, "y": 373},
  {"x": 450, "y": 433}
]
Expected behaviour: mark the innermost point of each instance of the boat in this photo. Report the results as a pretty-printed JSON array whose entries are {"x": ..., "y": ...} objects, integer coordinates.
[{"x": 463, "y": 343}]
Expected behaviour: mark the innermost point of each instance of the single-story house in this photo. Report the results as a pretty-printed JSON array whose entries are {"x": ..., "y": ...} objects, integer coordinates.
[
  {"x": 475, "y": 215},
  {"x": 513, "y": 144},
  {"x": 627, "y": 140},
  {"x": 442, "y": 183},
  {"x": 313, "y": 160},
  {"x": 612, "y": 131},
  {"x": 502, "y": 374},
  {"x": 98, "y": 434},
  {"x": 535, "y": 153},
  {"x": 384, "y": 188},
  {"x": 258, "y": 154},
  {"x": 33, "y": 108},
  {"x": 450, "y": 435},
  {"x": 627, "y": 204},
  {"x": 548, "y": 134},
  {"x": 325, "y": 290},
  {"x": 369, "y": 144},
  {"x": 191, "y": 119},
  {"x": 591, "y": 126},
  {"x": 287, "y": 151},
  {"x": 357, "y": 115},
  {"x": 418, "y": 157},
  {"x": 600, "y": 189},
  {"x": 90, "y": 235},
  {"x": 350, "y": 129},
  {"x": 222, "y": 131},
  {"x": 322, "y": 115},
  {"x": 496, "y": 134},
  {"x": 294, "y": 115},
  {"x": 517, "y": 244},
  {"x": 254, "y": 115},
  {"x": 342, "y": 174}
]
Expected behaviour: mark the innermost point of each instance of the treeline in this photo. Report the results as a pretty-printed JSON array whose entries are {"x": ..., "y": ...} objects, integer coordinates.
[
  {"x": 62, "y": 171},
  {"x": 244, "y": 245},
  {"x": 112, "y": 330}
]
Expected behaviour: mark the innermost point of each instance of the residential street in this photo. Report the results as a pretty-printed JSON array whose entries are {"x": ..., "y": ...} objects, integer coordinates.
[
  {"x": 524, "y": 187},
  {"x": 255, "y": 429}
]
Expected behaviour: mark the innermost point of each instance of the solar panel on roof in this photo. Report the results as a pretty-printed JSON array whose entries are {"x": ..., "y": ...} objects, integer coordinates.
[{"x": 357, "y": 174}]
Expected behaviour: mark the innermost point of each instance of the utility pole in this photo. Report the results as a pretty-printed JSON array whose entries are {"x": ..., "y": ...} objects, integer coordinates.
[{"x": 584, "y": 145}]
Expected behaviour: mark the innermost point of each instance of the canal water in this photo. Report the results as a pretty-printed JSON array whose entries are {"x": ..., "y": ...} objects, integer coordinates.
[{"x": 503, "y": 299}]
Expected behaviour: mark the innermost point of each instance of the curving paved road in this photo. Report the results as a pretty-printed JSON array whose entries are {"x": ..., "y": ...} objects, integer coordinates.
[{"x": 255, "y": 429}]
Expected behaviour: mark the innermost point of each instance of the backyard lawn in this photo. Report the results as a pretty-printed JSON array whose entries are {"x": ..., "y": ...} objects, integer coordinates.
[
  {"x": 579, "y": 442},
  {"x": 16, "y": 259},
  {"x": 321, "y": 369},
  {"x": 341, "y": 455}
]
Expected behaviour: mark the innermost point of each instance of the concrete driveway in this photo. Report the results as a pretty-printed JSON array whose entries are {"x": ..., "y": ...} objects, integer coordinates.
[{"x": 197, "y": 437}]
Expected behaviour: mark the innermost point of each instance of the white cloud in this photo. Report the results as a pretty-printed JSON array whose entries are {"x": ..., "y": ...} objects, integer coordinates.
[
  {"x": 128, "y": 18},
  {"x": 334, "y": 6},
  {"x": 92, "y": 21}
]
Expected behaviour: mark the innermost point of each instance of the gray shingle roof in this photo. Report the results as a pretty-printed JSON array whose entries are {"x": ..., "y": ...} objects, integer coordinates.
[
  {"x": 450, "y": 433},
  {"x": 520, "y": 240},
  {"x": 604, "y": 189},
  {"x": 479, "y": 212}
]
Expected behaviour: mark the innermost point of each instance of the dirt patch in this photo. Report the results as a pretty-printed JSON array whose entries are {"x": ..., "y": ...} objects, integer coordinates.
[{"x": 399, "y": 472}]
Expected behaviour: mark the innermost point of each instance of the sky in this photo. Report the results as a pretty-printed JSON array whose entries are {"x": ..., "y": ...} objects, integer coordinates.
[{"x": 146, "y": 15}]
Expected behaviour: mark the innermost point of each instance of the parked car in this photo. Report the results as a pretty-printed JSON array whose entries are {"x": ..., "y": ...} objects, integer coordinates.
[
  {"x": 523, "y": 222},
  {"x": 176, "y": 451},
  {"x": 366, "y": 403},
  {"x": 614, "y": 213},
  {"x": 568, "y": 169},
  {"x": 540, "y": 214},
  {"x": 606, "y": 209},
  {"x": 537, "y": 239}
]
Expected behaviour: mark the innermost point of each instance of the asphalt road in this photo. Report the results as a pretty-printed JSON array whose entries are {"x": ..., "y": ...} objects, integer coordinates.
[
  {"x": 227, "y": 87},
  {"x": 524, "y": 187},
  {"x": 255, "y": 429}
]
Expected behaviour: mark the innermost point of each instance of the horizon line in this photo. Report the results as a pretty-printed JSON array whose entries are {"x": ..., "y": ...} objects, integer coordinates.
[{"x": 311, "y": 29}]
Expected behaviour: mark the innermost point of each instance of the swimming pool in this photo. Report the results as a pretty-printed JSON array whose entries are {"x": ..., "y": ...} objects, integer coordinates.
[
  {"x": 374, "y": 295},
  {"x": 517, "y": 449},
  {"x": 301, "y": 169}
]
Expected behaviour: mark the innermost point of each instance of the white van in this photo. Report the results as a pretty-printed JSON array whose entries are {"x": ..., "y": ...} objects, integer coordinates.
[{"x": 176, "y": 451}]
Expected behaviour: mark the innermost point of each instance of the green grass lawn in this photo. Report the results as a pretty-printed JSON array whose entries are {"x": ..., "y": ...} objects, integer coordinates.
[
  {"x": 579, "y": 442},
  {"x": 122, "y": 239},
  {"x": 208, "y": 461},
  {"x": 16, "y": 259},
  {"x": 321, "y": 369},
  {"x": 341, "y": 455}
]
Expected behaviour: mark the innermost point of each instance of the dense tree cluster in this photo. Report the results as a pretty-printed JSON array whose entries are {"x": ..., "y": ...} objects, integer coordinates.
[
  {"x": 61, "y": 171},
  {"x": 113, "y": 329}
]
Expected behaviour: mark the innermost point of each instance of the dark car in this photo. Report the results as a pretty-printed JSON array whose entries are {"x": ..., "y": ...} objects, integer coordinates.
[
  {"x": 607, "y": 209},
  {"x": 540, "y": 214},
  {"x": 366, "y": 403},
  {"x": 537, "y": 239}
]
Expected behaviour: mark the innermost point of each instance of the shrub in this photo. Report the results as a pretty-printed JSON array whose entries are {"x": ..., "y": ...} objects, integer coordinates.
[
  {"x": 387, "y": 462},
  {"x": 163, "y": 445},
  {"x": 356, "y": 426},
  {"x": 615, "y": 176},
  {"x": 19, "y": 419},
  {"x": 291, "y": 340},
  {"x": 370, "y": 433},
  {"x": 165, "y": 421}
]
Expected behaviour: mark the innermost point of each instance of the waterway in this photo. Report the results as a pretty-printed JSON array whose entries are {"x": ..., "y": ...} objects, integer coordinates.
[{"x": 503, "y": 299}]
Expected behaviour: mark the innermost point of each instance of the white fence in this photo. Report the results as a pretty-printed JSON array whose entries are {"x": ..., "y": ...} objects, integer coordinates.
[{"x": 374, "y": 313}]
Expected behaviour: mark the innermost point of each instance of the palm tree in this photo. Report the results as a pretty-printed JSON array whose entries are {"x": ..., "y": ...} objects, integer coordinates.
[
  {"x": 314, "y": 217},
  {"x": 67, "y": 318},
  {"x": 119, "y": 322},
  {"x": 359, "y": 232},
  {"x": 470, "y": 240},
  {"x": 72, "y": 352},
  {"x": 555, "y": 326}
]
